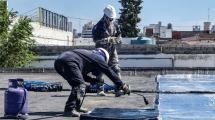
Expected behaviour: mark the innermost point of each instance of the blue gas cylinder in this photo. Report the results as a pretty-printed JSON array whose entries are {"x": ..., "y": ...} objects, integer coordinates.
[{"x": 16, "y": 100}]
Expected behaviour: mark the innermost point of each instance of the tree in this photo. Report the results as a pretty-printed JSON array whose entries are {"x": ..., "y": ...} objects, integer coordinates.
[
  {"x": 129, "y": 17},
  {"x": 15, "y": 41},
  {"x": 5, "y": 22}
]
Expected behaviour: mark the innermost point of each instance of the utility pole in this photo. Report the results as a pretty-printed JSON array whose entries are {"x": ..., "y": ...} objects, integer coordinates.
[
  {"x": 208, "y": 15},
  {"x": 79, "y": 25}
]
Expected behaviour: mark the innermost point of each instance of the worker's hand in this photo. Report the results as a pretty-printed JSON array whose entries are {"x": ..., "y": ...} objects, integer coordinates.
[
  {"x": 105, "y": 39},
  {"x": 126, "y": 89},
  {"x": 94, "y": 81},
  {"x": 118, "y": 40},
  {"x": 90, "y": 80}
]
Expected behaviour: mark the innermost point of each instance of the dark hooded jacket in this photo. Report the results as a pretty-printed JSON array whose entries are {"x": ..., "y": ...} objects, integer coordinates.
[{"x": 105, "y": 29}]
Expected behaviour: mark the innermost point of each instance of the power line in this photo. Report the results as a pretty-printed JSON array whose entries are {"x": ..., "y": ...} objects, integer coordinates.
[
  {"x": 29, "y": 11},
  {"x": 80, "y": 18},
  {"x": 175, "y": 26},
  {"x": 33, "y": 14}
]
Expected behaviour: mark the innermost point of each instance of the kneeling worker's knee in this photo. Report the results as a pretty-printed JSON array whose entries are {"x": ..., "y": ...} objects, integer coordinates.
[{"x": 116, "y": 69}]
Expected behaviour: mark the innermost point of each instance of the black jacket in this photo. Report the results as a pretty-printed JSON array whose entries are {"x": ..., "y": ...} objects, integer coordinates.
[{"x": 89, "y": 61}]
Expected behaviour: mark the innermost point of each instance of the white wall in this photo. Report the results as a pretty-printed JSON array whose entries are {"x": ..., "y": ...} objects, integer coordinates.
[
  {"x": 162, "y": 32},
  {"x": 160, "y": 60},
  {"x": 89, "y": 41},
  {"x": 70, "y": 28},
  {"x": 49, "y": 36},
  {"x": 168, "y": 33},
  {"x": 146, "y": 60},
  {"x": 83, "y": 41},
  {"x": 192, "y": 60},
  {"x": 124, "y": 60},
  {"x": 155, "y": 27}
]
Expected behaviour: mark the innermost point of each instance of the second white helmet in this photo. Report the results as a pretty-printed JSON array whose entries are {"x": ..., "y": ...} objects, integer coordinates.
[
  {"x": 106, "y": 53},
  {"x": 110, "y": 11}
]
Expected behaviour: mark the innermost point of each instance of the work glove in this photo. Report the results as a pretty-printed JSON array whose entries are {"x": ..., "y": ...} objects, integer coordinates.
[
  {"x": 115, "y": 40},
  {"x": 90, "y": 80},
  {"x": 126, "y": 89},
  {"x": 118, "y": 40},
  {"x": 102, "y": 40}
]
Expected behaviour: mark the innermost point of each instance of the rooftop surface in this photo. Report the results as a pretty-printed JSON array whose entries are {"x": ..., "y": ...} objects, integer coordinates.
[{"x": 47, "y": 105}]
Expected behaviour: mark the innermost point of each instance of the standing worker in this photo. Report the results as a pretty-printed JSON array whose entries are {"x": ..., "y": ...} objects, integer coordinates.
[
  {"x": 74, "y": 66},
  {"x": 105, "y": 29}
]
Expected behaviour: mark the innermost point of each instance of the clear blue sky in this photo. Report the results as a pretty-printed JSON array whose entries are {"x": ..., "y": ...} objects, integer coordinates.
[{"x": 178, "y": 12}]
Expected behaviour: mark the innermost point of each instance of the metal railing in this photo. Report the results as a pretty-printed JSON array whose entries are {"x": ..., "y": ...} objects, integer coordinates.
[{"x": 52, "y": 20}]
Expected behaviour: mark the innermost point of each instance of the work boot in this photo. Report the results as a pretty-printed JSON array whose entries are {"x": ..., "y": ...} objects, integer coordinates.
[
  {"x": 82, "y": 109},
  {"x": 70, "y": 113},
  {"x": 100, "y": 89},
  {"x": 122, "y": 90}
]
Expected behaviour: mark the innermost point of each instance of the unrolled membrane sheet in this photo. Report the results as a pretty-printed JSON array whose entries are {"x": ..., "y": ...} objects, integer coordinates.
[{"x": 186, "y": 106}]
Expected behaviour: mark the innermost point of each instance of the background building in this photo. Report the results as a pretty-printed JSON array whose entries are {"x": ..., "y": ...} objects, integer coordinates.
[
  {"x": 70, "y": 26},
  {"x": 158, "y": 30},
  {"x": 51, "y": 29},
  {"x": 87, "y": 30}
]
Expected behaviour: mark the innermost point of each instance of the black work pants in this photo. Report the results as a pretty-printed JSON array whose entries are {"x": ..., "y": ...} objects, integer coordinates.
[{"x": 71, "y": 72}]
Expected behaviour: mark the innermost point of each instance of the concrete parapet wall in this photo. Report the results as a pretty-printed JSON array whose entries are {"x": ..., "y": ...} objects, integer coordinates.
[
  {"x": 206, "y": 36},
  {"x": 126, "y": 71},
  {"x": 134, "y": 49}
]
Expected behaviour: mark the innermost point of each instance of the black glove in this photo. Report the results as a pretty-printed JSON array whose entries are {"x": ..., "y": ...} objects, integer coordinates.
[
  {"x": 90, "y": 80},
  {"x": 126, "y": 89},
  {"x": 93, "y": 81}
]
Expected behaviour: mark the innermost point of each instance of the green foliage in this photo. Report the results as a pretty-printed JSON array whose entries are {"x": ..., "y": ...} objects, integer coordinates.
[
  {"x": 129, "y": 17},
  {"x": 5, "y": 20},
  {"x": 15, "y": 43}
]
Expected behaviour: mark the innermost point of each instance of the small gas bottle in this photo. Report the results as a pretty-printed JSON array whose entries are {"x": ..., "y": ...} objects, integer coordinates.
[{"x": 16, "y": 100}]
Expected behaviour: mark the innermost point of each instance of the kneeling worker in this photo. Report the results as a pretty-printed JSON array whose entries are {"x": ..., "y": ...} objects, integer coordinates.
[{"x": 74, "y": 66}]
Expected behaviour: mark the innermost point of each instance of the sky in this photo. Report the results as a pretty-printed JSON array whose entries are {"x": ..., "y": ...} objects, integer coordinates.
[{"x": 183, "y": 14}]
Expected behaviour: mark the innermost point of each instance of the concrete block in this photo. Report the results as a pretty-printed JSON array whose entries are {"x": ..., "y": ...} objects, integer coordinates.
[
  {"x": 66, "y": 48},
  {"x": 79, "y": 47},
  {"x": 197, "y": 47},
  {"x": 130, "y": 46},
  {"x": 179, "y": 52},
  {"x": 143, "y": 46},
  {"x": 73, "y": 47},
  {"x": 194, "y": 52},
  {"x": 185, "y": 46},
  {"x": 210, "y": 46},
  {"x": 55, "y": 47},
  {"x": 91, "y": 47},
  {"x": 173, "y": 45},
  {"x": 187, "y": 52},
  {"x": 86, "y": 47},
  {"x": 61, "y": 48},
  {"x": 154, "y": 47},
  {"x": 136, "y": 46},
  {"x": 123, "y": 46},
  {"x": 167, "y": 45},
  {"x": 179, "y": 46},
  {"x": 191, "y": 47},
  {"x": 149, "y": 49},
  {"x": 172, "y": 49}
]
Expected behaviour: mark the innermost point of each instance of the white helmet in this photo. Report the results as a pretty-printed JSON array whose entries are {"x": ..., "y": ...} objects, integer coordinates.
[
  {"x": 106, "y": 53},
  {"x": 110, "y": 11}
]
